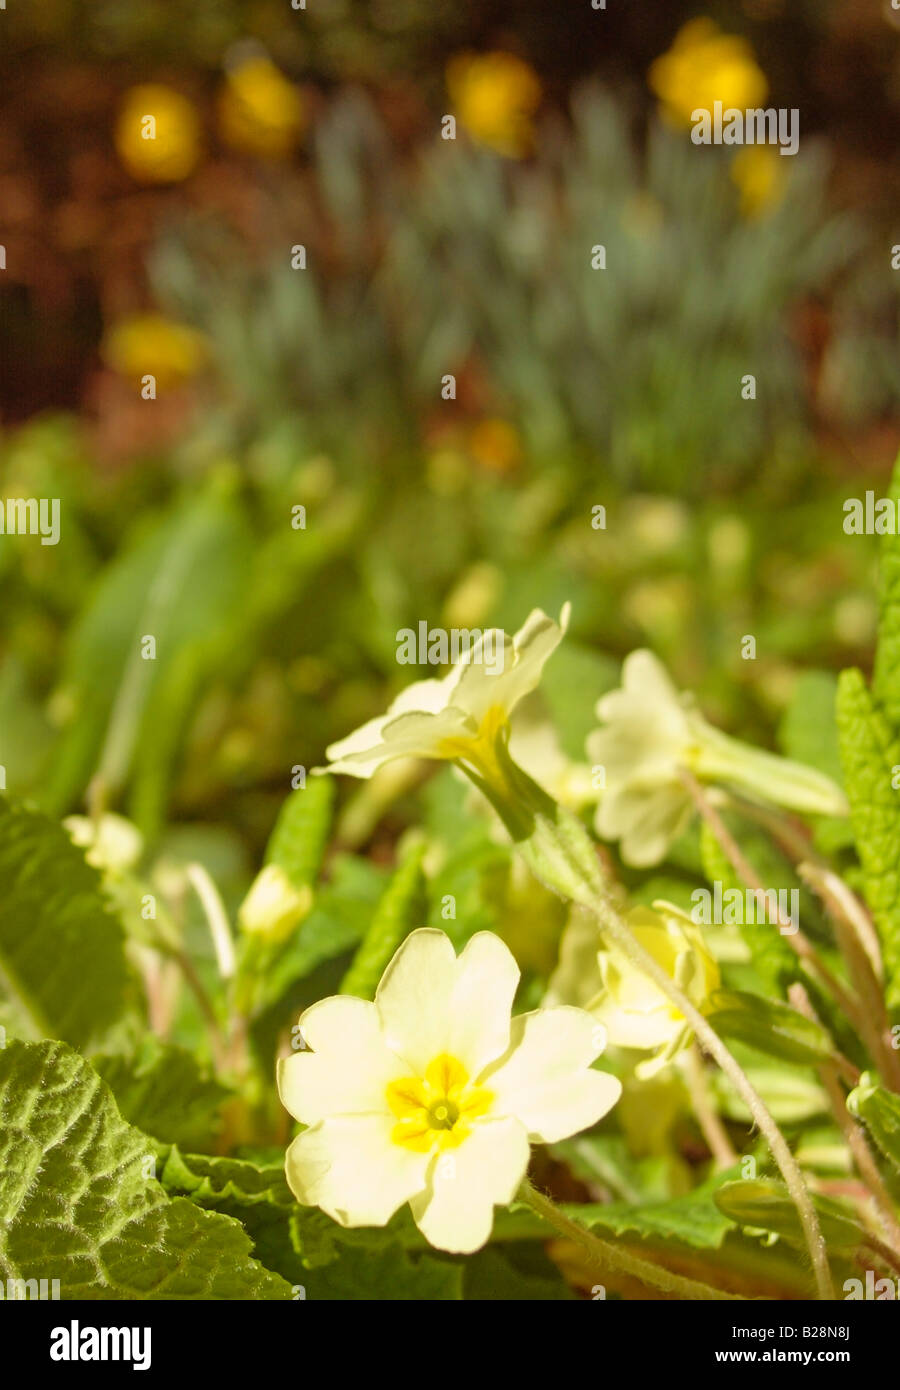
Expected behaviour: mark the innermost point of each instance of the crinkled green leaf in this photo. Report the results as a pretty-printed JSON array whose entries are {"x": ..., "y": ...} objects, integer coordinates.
[
  {"x": 886, "y": 677},
  {"x": 870, "y": 750},
  {"x": 693, "y": 1219},
  {"x": 57, "y": 932},
  {"x": 78, "y": 1204}
]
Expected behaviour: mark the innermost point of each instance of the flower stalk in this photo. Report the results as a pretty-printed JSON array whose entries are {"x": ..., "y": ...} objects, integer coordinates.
[
  {"x": 613, "y": 1257},
  {"x": 559, "y": 851}
]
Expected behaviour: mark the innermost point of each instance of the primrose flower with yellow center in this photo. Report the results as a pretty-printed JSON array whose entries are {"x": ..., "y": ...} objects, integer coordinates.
[
  {"x": 704, "y": 66},
  {"x": 634, "y": 1010},
  {"x": 465, "y": 716},
  {"x": 652, "y": 733},
  {"x": 495, "y": 96},
  {"x": 171, "y": 352},
  {"x": 260, "y": 112},
  {"x": 157, "y": 134},
  {"x": 432, "y": 1094}
]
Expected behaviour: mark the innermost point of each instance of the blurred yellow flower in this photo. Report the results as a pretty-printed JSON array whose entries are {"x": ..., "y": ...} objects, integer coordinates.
[
  {"x": 149, "y": 344},
  {"x": 495, "y": 446},
  {"x": 759, "y": 175},
  {"x": 495, "y": 96},
  {"x": 260, "y": 112},
  {"x": 704, "y": 66},
  {"x": 157, "y": 134}
]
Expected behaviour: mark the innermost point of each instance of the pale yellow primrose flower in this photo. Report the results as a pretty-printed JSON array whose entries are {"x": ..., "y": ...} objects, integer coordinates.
[
  {"x": 432, "y": 1094},
  {"x": 633, "y": 1010},
  {"x": 652, "y": 732},
  {"x": 461, "y": 716}
]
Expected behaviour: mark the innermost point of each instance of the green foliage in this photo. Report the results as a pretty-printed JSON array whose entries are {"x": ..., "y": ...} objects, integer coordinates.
[
  {"x": 770, "y": 1027},
  {"x": 127, "y": 711},
  {"x": 870, "y": 750},
  {"x": 400, "y": 911},
  {"x": 162, "y": 1090},
  {"x": 55, "y": 931},
  {"x": 772, "y": 956},
  {"x": 763, "y": 1203},
  {"x": 808, "y": 732},
  {"x": 886, "y": 678},
  {"x": 78, "y": 1202},
  {"x": 297, "y": 844},
  {"x": 880, "y": 1110}
]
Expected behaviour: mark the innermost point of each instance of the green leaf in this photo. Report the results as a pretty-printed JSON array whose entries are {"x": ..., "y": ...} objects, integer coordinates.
[
  {"x": 880, "y": 1109},
  {"x": 200, "y": 553},
  {"x": 258, "y": 1196},
  {"x": 305, "y": 1245},
  {"x": 693, "y": 1219},
  {"x": 886, "y": 676},
  {"x": 870, "y": 750},
  {"x": 77, "y": 1204},
  {"x": 401, "y": 909},
  {"x": 297, "y": 844},
  {"x": 808, "y": 731},
  {"x": 770, "y": 1027},
  {"x": 521, "y": 1274},
  {"x": 163, "y": 1090},
  {"x": 390, "y": 1273},
  {"x": 339, "y": 920},
  {"x": 57, "y": 931},
  {"x": 763, "y": 1203}
]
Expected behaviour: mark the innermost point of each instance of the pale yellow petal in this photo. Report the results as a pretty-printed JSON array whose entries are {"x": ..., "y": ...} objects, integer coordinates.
[
  {"x": 351, "y": 1169},
  {"x": 348, "y": 1069},
  {"x": 431, "y": 1003},
  {"x": 546, "y": 1080},
  {"x": 456, "y": 1211}
]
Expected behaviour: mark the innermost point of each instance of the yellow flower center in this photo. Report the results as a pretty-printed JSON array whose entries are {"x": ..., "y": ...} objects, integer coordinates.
[
  {"x": 436, "y": 1110},
  {"x": 480, "y": 749}
]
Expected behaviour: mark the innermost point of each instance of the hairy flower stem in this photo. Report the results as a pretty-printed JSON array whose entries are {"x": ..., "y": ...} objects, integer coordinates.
[
  {"x": 710, "y": 1041},
  {"x": 608, "y": 1256},
  {"x": 851, "y": 925},
  {"x": 798, "y": 942},
  {"x": 853, "y": 1133},
  {"x": 559, "y": 852}
]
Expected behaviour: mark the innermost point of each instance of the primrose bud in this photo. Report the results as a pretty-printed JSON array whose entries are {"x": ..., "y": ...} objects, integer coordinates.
[{"x": 273, "y": 907}]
